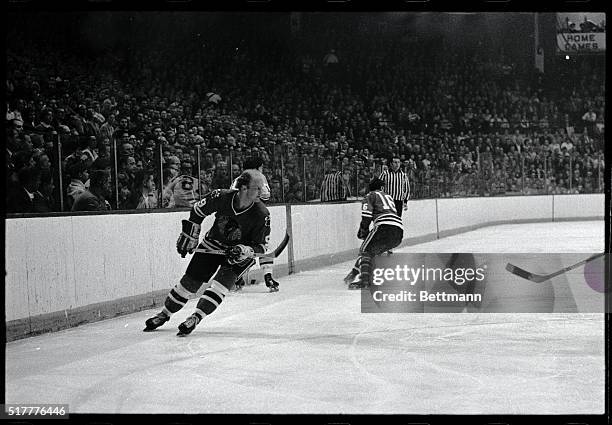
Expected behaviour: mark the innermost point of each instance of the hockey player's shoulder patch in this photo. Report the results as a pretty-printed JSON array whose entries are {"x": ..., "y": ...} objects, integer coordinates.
[
  {"x": 218, "y": 192},
  {"x": 221, "y": 193}
]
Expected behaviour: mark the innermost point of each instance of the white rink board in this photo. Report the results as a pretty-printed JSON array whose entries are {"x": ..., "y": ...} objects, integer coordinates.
[
  {"x": 567, "y": 206},
  {"x": 420, "y": 219},
  {"x": 62, "y": 263},
  {"x": 324, "y": 229},
  {"x": 39, "y": 267},
  {"x": 467, "y": 212}
]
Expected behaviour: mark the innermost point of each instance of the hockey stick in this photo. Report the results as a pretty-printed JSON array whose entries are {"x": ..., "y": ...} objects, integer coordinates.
[
  {"x": 538, "y": 278},
  {"x": 271, "y": 254}
]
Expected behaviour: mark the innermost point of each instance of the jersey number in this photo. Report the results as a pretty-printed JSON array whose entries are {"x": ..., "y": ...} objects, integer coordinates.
[{"x": 387, "y": 201}]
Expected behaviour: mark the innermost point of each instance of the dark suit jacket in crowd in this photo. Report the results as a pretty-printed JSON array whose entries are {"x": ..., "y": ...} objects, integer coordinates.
[
  {"x": 87, "y": 201},
  {"x": 18, "y": 200}
]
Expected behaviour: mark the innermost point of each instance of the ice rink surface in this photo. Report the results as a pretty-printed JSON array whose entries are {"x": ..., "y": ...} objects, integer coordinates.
[{"x": 308, "y": 349}]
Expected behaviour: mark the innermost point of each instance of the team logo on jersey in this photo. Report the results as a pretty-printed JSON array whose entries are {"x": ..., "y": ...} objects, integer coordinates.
[{"x": 229, "y": 228}]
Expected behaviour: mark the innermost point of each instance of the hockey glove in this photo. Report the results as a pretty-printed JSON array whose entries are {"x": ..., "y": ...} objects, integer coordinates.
[
  {"x": 189, "y": 238},
  {"x": 362, "y": 233},
  {"x": 239, "y": 253}
]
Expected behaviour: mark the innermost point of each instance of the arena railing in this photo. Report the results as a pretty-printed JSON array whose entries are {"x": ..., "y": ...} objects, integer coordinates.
[{"x": 295, "y": 178}]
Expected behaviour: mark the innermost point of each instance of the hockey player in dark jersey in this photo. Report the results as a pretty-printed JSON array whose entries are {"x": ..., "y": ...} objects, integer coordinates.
[
  {"x": 265, "y": 263},
  {"x": 387, "y": 232},
  {"x": 241, "y": 228}
]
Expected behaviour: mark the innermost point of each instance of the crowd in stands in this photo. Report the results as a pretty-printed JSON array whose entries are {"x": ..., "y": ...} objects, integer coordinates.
[{"x": 158, "y": 127}]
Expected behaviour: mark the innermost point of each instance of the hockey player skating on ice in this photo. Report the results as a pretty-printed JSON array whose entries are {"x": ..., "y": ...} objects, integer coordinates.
[
  {"x": 241, "y": 228},
  {"x": 387, "y": 232},
  {"x": 265, "y": 263}
]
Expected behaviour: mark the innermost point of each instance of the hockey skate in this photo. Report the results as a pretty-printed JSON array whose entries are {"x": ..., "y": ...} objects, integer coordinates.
[
  {"x": 238, "y": 285},
  {"x": 155, "y": 322},
  {"x": 350, "y": 277},
  {"x": 358, "y": 283},
  {"x": 271, "y": 283},
  {"x": 188, "y": 325}
]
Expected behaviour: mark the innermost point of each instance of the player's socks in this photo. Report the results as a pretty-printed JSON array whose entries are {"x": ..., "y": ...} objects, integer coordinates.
[
  {"x": 211, "y": 298},
  {"x": 176, "y": 299},
  {"x": 365, "y": 267},
  {"x": 209, "y": 301}
]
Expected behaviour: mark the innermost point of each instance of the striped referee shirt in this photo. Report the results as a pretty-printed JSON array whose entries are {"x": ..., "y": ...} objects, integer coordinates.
[
  {"x": 396, "y": 184},
  {"x": 333, "y": 187}
]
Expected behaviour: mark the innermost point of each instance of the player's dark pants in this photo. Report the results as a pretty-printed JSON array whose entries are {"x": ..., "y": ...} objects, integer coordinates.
[
  {"x": 380, "y": 239},
  {"x": 399, "y": 207},
  {"x": 202, "y": 268}
]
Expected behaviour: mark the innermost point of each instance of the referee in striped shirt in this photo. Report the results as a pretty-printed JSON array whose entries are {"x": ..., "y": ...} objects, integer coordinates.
[
  {"x": 397, "y": 185},
  {"x": 333, "y": 187}
]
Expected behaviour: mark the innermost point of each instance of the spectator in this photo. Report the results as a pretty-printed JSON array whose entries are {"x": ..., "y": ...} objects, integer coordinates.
[
  {"x": 590, "y": 119},
  {"x": 20, "y": 195},
  {"x": 46, "y": 121},
  {"x": 144, "y": 195},
  {"x": 43, "y": 197},
  {"x": 221, "y": 179},
  {"x": 89, "y": 148},
  {"x": 107, "y": 130},
  {"x": 206, "y": 177},
  {"x": 78, "y": 174},
  {"x": 94, "y": 199},
  {"x": 127, "y": 167}
]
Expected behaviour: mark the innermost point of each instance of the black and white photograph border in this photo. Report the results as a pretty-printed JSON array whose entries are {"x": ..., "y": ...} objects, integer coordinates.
[{"x": 255, "y": 137}]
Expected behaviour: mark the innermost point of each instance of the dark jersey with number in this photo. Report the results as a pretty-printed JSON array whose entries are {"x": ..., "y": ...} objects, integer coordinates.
[
  {"x": 247, "y": 227},
  {"x": 380, "y": 207}
]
